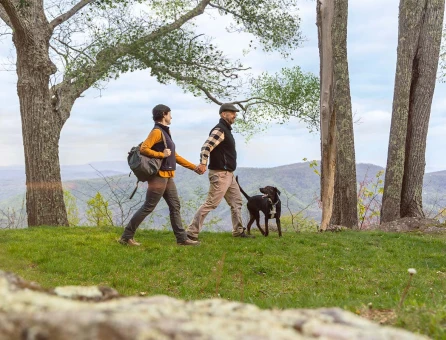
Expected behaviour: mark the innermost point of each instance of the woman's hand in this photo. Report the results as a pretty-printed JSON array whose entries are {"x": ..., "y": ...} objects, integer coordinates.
[
  {"x": 166, "y": 153},
  {"x": 200, "y": 169}
]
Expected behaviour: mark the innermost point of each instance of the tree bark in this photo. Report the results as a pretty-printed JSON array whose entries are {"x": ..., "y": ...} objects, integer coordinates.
[
  {"x": 41, "y": 126},
  {"x": 43, "y": 110},
  {"x": 422, "y": 91},
  {"x": 345, "y": 202},
  {"x": 338, "y": 168},
  {"x": 325, "y": 17},
  {"x": 419, "y": 37}
]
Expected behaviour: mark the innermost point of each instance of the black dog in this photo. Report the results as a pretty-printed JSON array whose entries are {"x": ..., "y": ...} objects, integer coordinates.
[{"x": 268, "y": 203}]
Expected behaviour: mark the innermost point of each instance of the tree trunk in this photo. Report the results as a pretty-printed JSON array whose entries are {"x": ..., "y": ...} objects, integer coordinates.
[
  {"x": 325, "y": 14},
  {"x": 338, "y": 168},
  {"x": 419, "y": 37},
  {"x": 421, "y": 94},
  {"x": 345, "y": 202},
  {"x": 41, "y": 125}
]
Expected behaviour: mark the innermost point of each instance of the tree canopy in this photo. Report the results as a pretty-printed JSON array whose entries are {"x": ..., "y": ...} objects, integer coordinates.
[{"x": 94, "y": 41}]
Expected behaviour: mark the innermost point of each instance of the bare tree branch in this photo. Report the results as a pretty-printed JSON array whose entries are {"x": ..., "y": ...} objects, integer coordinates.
[
  {"x": 249, "y": 101},
  {"x": 180, "y": 77},
  {"x": 119, "y": 197},
  {"x": 64, "y": 56},
  {"x": 440, "y": 213},
  {"x": 226, "y": 10},
  {"x": 72, "y": 89},
  {"x": 200, "y": 87},
  {"x": 8, "y": 13},
  {"x": 4, "y": 16},
  {"x": 67, "y": 15},
  {"x": 80, "y": 52}
]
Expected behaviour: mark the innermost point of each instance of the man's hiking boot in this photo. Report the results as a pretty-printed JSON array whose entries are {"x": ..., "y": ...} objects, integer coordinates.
[
  {"x": 243, "y": 235},
  {"x": 130, "y": 242},
  {"x": 189, "y": 242},
  {"x": 193, "y": 238}
]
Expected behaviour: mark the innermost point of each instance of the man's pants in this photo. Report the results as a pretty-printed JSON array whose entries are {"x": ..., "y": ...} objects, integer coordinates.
[
  {"x": 221, "y": 184},
  {"x": 159, "y": 187}
]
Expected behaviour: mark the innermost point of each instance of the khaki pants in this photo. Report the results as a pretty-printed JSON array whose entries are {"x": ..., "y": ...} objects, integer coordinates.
[{"x": 221, "y": 184}]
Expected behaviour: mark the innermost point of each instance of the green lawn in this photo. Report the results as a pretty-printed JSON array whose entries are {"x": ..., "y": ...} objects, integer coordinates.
[{"x": 307, "y": 270}]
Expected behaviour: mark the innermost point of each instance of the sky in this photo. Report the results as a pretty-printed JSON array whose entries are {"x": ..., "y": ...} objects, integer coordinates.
[{"x": 104, "y": 125}]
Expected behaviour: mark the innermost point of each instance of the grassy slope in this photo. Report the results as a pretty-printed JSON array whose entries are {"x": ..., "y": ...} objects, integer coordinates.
[{"x": 348, "y": 269}]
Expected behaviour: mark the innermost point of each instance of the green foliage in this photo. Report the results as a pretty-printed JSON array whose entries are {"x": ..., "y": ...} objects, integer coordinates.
[
  {"x": 369, "y": 200},
  {"x": 300, "y": 270},
  {"x": 120, "y": 40},
  {"x": 441, "y": 216},
  {"x": 274, "y": 22},
  {"x": 193, "y": 63},
  {"x": 190, "y": 207},
  {"x": 278, "y": 98},
  {"x": 417, "y": 317},
  {"x": 314, "y": 165},
  {"x": 299, "y": 222},
  {"x": 369, "y": 196},
  {"x": 71, "y": 207},
  {"x": 117, "y": 39},
  {"x": 98, "y": 212}
]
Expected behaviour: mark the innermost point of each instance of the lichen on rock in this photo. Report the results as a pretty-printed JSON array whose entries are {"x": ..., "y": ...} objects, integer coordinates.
[{"x": 30, "y": 312}]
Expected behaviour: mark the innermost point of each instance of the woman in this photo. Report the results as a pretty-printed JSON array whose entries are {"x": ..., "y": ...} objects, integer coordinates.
[{"x": 162, "y": 184}]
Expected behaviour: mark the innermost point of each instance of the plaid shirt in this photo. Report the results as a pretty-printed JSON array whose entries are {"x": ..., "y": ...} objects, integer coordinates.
[{"x": 216, "y": 137}]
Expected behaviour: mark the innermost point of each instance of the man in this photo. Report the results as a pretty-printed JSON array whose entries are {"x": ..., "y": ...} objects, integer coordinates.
[{"x": 220, "y": 148}]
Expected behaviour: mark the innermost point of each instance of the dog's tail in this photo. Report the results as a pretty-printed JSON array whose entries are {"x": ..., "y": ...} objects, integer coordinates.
[{"x": 244, "y": 193}]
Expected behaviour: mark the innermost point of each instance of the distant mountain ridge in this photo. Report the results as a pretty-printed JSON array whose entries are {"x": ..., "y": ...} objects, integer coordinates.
[
  {"x": 299, "y": 185},
  {"x": 12, "y": 178}
]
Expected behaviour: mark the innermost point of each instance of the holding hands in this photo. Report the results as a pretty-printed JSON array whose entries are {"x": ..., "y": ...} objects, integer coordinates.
[{"x": 200, "y": 169}]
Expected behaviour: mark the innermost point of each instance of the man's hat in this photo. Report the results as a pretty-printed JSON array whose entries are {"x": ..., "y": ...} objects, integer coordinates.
[{"x": 228, "y": 107}]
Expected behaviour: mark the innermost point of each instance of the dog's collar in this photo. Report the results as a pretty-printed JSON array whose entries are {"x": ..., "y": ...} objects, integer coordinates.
[{"x": 270, "y": 200}]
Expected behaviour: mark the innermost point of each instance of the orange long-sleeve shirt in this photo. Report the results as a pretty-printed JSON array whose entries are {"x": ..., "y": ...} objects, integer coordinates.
[{"x": 146, "y": 149}]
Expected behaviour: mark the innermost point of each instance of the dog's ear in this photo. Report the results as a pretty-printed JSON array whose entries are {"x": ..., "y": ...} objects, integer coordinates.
[{"x": 278, "y": 191}]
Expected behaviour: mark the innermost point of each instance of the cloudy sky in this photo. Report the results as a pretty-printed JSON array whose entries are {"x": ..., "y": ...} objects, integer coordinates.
[{"x": 104, "y": 125}]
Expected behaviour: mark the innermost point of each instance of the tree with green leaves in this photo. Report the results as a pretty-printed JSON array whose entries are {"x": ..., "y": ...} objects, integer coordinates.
[
  {"x": 98, "y": 212},
  {"x": 290, "y": 93},
  {"x": 72, "y": 209},
  {"x": 64, "y": 48}
]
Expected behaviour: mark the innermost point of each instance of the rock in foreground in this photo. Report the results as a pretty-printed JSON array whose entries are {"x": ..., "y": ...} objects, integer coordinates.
[{"x": 29, "y": 312}]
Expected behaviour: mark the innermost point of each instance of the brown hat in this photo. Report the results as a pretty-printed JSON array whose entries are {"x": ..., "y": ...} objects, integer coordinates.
[{"x": 228, "y": 107}]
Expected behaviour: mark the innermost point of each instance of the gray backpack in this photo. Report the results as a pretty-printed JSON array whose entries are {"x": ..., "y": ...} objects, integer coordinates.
[{"x": 143, "y": 167}]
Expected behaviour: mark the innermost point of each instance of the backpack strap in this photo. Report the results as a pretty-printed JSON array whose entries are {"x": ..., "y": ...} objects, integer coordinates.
[
  {"x": 134, "y": 190},
  {"x": 162, "y": 135}
]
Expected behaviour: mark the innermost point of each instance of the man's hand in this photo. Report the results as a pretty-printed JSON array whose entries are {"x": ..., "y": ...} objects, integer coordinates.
[
  {"x": 166, "y": 153},
  {"x": 200, "y": 169}
]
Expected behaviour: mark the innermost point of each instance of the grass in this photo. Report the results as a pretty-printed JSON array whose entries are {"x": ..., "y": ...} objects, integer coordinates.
[{"x": 307, "y": 270}]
